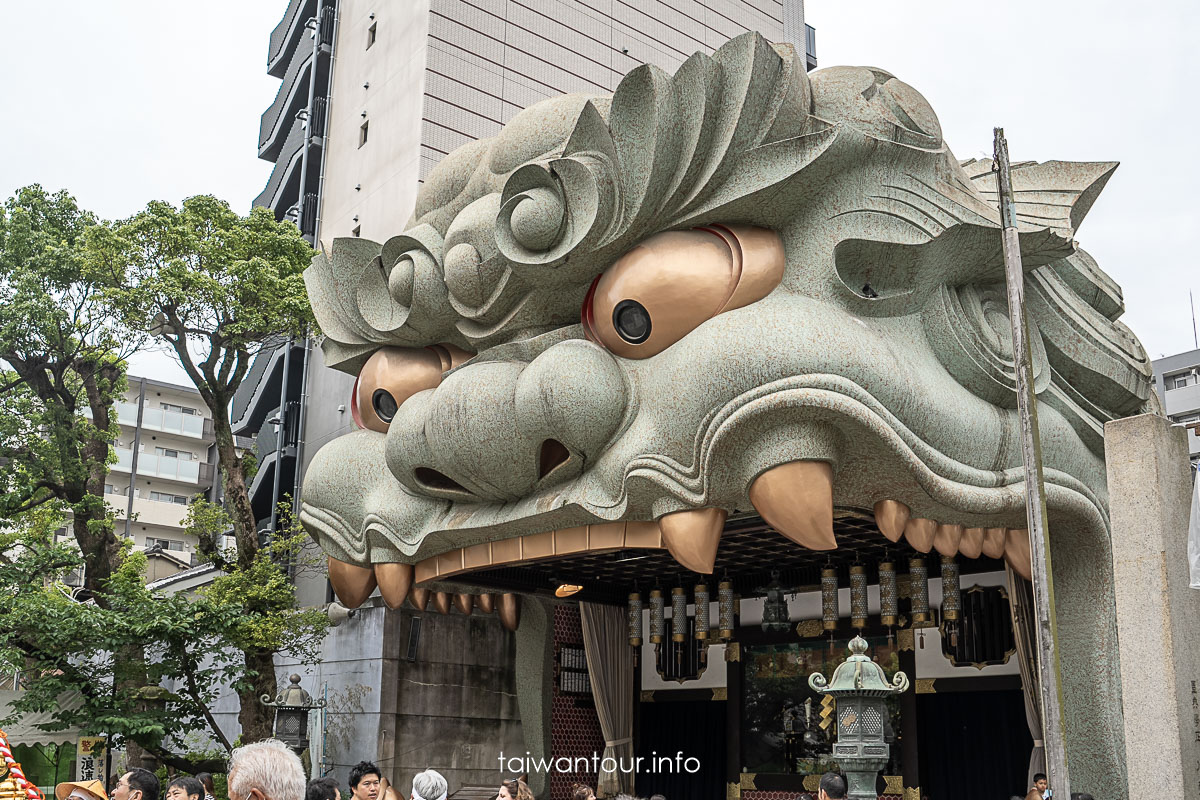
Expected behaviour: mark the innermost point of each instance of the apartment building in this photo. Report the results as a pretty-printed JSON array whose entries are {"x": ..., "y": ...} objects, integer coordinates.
[
  {"x": 165, "y": 457},
  {"x": 1177, "y": 379}
]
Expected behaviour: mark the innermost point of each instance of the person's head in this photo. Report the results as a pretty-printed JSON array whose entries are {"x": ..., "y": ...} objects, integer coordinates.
[
  {"x": 183, "y": 788},
  {"x": 80, "y": 790},
  {"x": 206, "y": 781},
  {"x": 1039, "y": 781},
  {"x": 833, "y": 787},
  {"x": 581, "y": 792},
  {"x": 516, "y": 789},
  {"x": 657, "y": 797},
  {"x": 266, "y": 770},
  {"x": 365, "y": 780},
  {"x": 429, "y": 785},
  {"x": 322, "y": 789},
  {"x": 137, "y": 784}
]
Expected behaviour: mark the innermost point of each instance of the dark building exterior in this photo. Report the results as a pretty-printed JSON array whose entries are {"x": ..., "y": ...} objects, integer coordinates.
[{"x": 292, "y": 131}]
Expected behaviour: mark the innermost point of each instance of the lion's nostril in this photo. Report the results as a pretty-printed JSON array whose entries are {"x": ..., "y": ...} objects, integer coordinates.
[
  {"x": 554, "y": 454},
  {"x": 432, "y": 479}
]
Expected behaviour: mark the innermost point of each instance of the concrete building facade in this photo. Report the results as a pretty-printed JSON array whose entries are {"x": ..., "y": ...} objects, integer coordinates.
[
  {"x": 413, "y": 81},
  {"x": 1177, "y": 380}
]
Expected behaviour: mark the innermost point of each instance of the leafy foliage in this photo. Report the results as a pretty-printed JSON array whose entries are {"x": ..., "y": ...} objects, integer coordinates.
[
  {"x": 76, "y": 297},
  {"x": 217, "y": 288}
]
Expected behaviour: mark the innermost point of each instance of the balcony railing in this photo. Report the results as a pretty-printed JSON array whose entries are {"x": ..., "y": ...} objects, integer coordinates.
[
  {"x": 155, "y": 466},
  {"x": 289, "y": 159},
  {"x": 292, "y": 95},
  {"x": 160, "y": 419},
  {"x": 287, "y": 32}
]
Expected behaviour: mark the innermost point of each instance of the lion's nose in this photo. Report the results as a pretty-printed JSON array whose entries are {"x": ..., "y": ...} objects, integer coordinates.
[{"x": 499, "y": 430}]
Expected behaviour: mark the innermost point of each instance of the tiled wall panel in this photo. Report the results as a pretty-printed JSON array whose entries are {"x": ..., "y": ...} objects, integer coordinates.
[{"x": 491, "y": 58}]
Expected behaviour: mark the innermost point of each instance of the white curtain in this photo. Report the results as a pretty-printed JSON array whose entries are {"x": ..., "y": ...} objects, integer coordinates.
[
  {"x": 1020, "y": 601},
  {"x": 610, "y": 668}
]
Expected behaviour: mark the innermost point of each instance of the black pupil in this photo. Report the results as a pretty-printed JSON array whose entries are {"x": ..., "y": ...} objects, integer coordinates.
[
  {"x": 385, "y": 405},
  {"x": 632, "y": 321}
]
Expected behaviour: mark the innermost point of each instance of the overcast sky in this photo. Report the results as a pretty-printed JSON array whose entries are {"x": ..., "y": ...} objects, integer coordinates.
[{"x": 126, "y": 101}]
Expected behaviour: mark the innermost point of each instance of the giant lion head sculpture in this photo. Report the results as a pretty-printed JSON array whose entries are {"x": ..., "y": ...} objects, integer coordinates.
[{"x": 736, "y": 287}]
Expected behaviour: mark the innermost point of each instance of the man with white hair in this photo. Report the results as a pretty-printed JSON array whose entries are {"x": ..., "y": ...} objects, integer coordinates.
[
  {"x": 266, "y": 770},
  {"x": 429, "y": 785}
]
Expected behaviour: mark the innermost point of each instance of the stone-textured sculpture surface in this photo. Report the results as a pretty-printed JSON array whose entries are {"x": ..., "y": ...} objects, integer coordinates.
[{"x": 792, "y": 297}]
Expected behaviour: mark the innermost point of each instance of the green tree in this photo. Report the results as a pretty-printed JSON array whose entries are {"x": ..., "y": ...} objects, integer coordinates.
[
  {"x": 65, "y": 352},
  {"x": 216, "y": 287},
  {"x": 193, "y": 643}
]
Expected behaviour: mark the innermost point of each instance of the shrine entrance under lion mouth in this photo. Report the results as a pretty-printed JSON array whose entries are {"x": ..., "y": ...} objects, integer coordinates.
[{"x": 740, "y": 686}]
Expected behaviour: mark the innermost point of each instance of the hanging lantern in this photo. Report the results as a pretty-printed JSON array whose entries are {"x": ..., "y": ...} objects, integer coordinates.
[
  {"x": 858, "y": 596},
  {"x": 918, "y": 591},
  {"x": 702, "y": 611},
  {"x": 725, "y": 609},
  {"x": 658, "y": 622},
  {"x": 775, "y": 615},
  {"x": 829, "y": 599},
  {"x": 679, "y": 618},
  {"x": 635, "y": 619},
  {"x": 889, "y": 597},
  {"x": 951, "y": 598}
]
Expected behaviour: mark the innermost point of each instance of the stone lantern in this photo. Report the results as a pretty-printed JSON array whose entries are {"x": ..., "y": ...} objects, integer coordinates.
[
  {"x": 861, "y": 691},
  {"x": 292, "y": 705}
]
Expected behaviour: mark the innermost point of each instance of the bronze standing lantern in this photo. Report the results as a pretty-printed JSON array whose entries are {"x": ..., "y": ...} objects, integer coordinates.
[{"x": 861, "y": 690}]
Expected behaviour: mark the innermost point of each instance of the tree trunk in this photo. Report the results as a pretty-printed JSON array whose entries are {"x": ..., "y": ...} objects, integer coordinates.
[{"x": 256, "y": 719}]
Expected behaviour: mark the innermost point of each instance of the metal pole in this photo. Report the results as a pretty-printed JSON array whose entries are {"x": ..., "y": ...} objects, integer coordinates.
[
  {"x": 281, "y": 431},
  {"x": 1046, "y": 627},
  {"x": 133, "y": 457}
]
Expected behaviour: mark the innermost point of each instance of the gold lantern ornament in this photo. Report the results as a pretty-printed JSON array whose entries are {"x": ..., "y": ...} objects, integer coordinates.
[
  {"x": 725, "y": 609},
  {"x": 858, "y": 596},
  {"x": 951, "y": 597},
  {"x": 658, "y": 622},
  {"x": 918, "y": 576},
  {"x": 829, "y": 599},
  {"x": 635, "y": 619},
  {"x": 679, "y": 618},
  {"x": 889, "y": 594},
  {"x": 702, "y": 621}
]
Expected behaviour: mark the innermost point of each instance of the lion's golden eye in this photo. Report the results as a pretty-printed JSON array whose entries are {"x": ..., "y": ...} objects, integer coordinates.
[
  {"x": 668, "y": 285},
  {"x": 394, "y": 374}
]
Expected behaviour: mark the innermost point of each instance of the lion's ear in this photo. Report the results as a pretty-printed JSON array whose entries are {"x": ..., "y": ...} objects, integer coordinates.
[{"x": 1053, "y": 194}]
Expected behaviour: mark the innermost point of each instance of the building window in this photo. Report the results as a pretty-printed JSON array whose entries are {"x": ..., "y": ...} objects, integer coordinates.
[
  {"x": 166, "y": 452},
  {"x": 165, "y": 544},
  {"x": 165, "y": 497},
  {"x": 362, "y": 133},
  {"x": 178, "y": 409},
  {"x": 110, "y": 489},
  {"x": 1180, "y": 381},
  {"x": 371, "y": 35}
]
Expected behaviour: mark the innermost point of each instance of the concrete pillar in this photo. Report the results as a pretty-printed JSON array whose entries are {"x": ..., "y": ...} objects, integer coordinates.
[
  {"x": 1150, "y": 487},
  {"x": 535, "y": 676}
]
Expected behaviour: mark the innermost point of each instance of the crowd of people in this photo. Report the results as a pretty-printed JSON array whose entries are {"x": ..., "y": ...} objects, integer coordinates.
[{"x": 270, "y": 770}]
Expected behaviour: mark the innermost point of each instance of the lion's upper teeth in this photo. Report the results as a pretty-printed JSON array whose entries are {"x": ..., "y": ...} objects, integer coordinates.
[
  {"x": 796, "y": 499},
  {"x": 891, "y": 516},
  {"x": 394, "y": 580},
  {"x": 920, "y": 532},
  {"x": 693, "y": 536},
  {"x": 946, "y": 539}
]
